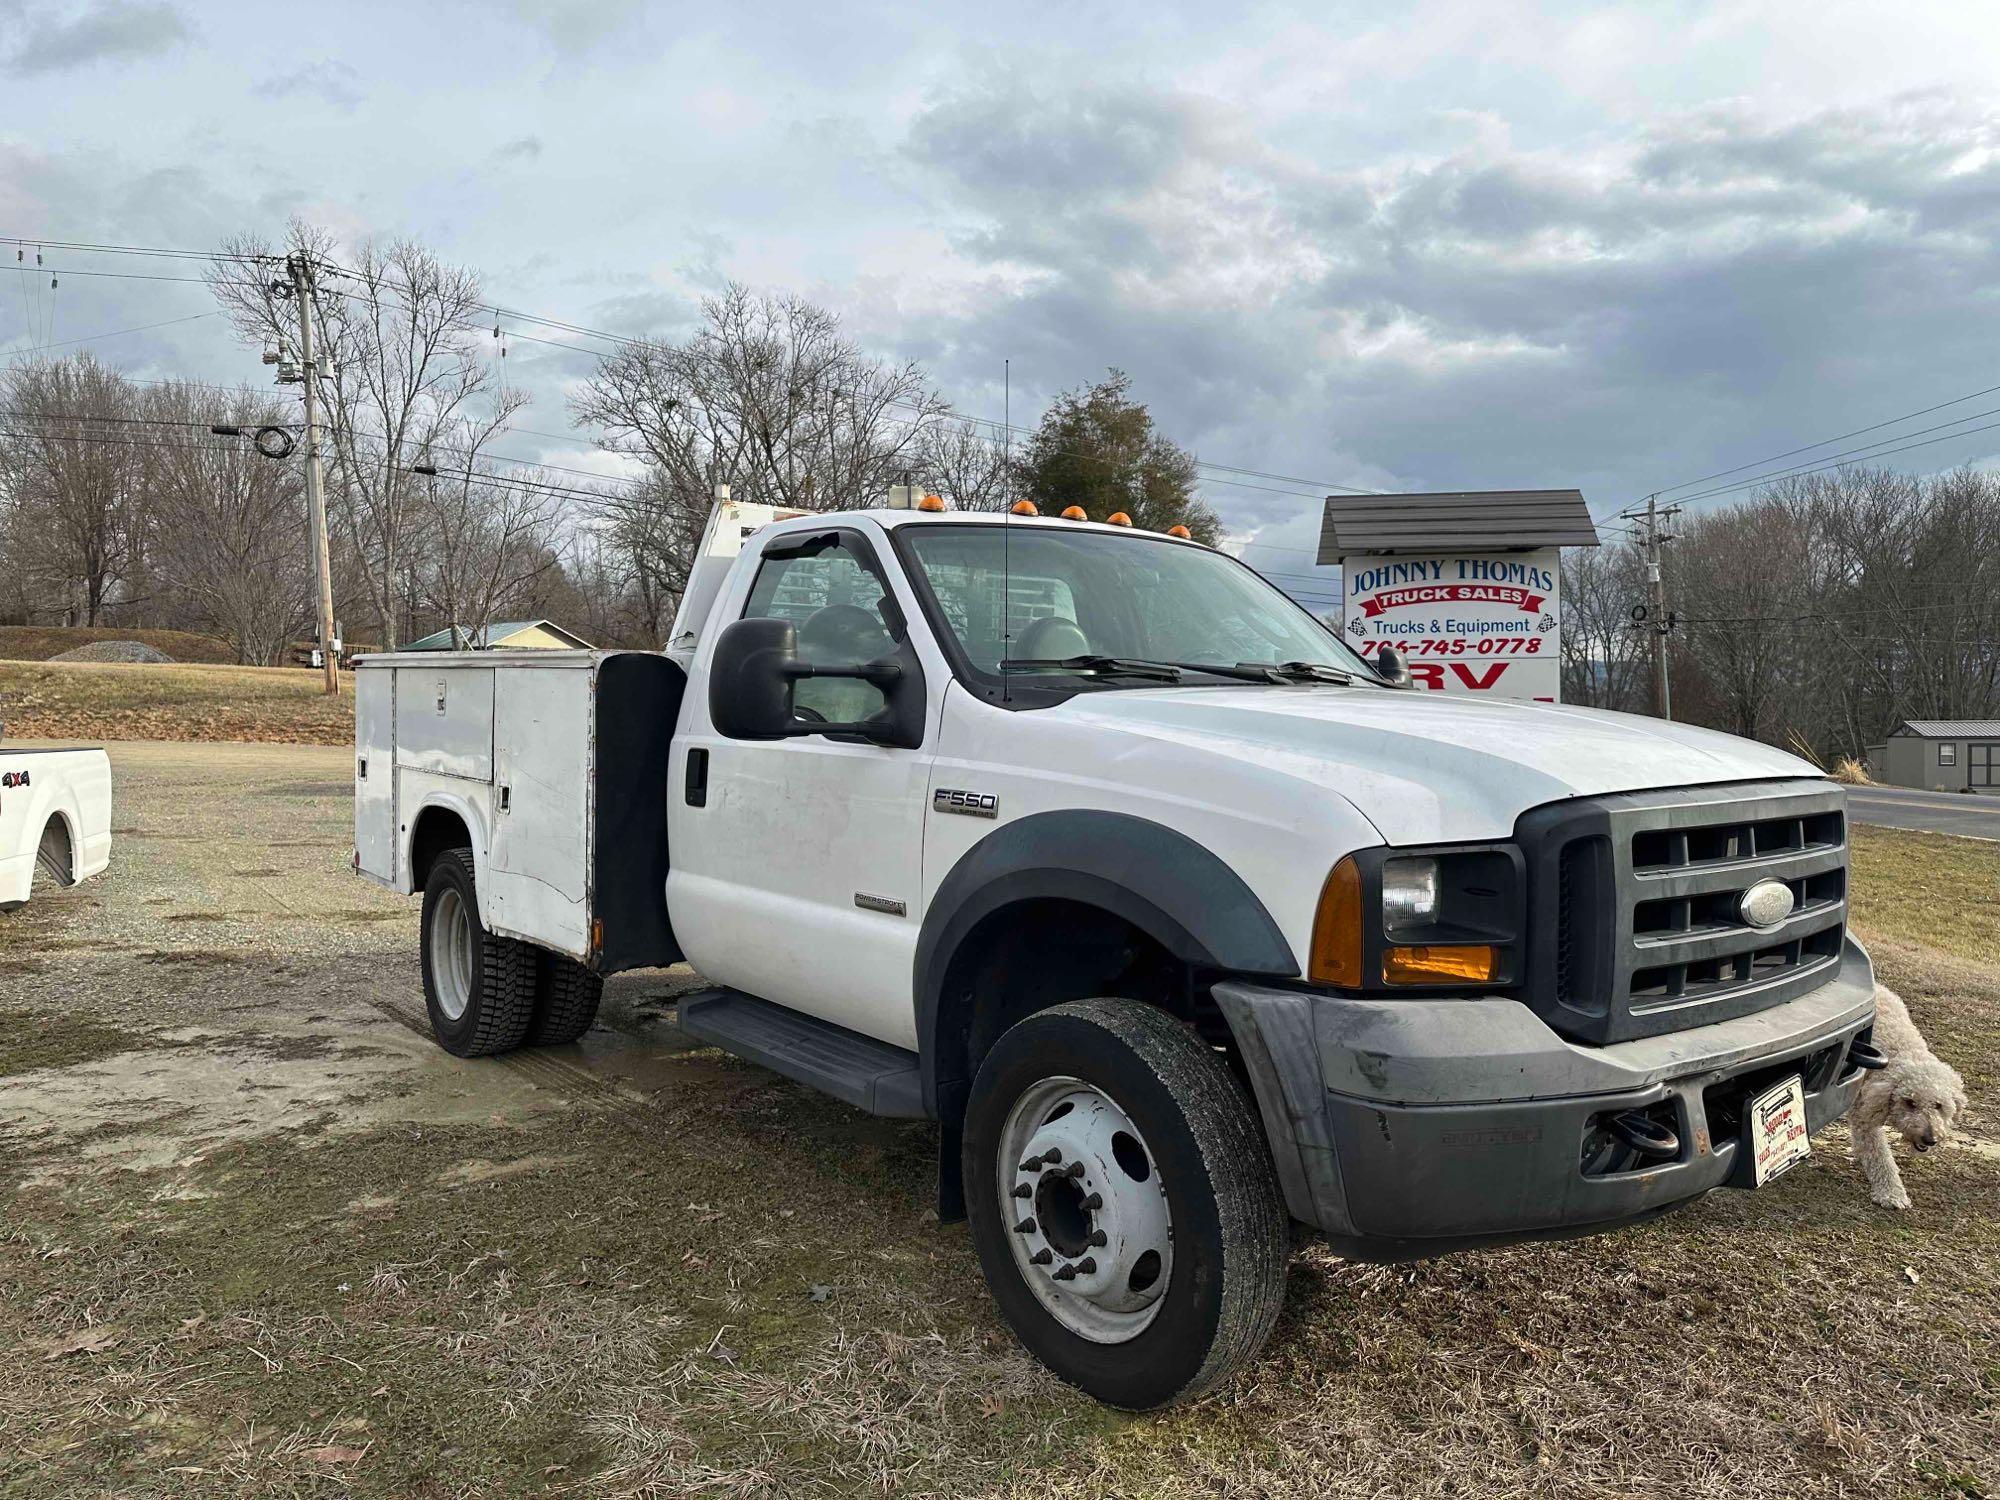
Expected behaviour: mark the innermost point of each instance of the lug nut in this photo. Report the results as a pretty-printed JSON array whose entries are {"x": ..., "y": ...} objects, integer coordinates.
[
  {"x": 1075, "y": 1168},
  {"x": 1022, "y": 1190},
  {"x": 1093, "y": 1202},
  {"x": 1099, "y": 1237},
  {"x": 1041, "y": 1257},
  {"x": 1086, "y": 1265},
  {"x": 1026, "y": 1226},
  {"x": 1067, "y": 1273}
]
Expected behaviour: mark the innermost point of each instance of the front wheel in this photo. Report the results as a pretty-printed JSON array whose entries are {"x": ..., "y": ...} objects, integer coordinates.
[
  {"x": 1122, "y": 1201},
  {"x": 478, "y": 988}
]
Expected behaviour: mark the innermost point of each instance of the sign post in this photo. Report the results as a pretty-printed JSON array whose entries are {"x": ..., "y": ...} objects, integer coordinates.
[{"x": 1467, "y": 586}]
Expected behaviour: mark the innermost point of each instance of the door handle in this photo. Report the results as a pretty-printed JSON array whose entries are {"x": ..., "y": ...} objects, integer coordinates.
[{"x": 697, "y": 778}]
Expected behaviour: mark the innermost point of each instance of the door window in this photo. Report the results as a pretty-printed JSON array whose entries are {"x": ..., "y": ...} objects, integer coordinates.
[{"x": 835, "y": 598}]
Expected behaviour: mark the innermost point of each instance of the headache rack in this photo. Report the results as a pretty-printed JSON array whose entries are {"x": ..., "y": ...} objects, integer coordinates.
[{"x": 1634, "y": 904}]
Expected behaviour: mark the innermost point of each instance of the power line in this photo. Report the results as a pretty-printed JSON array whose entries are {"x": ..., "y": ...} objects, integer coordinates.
[
  {"x": 1313, "y": 488},
  {"x": 1838, "y": 437}
]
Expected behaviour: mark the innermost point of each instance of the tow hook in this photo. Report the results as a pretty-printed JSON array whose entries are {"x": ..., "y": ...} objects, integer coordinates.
[
  {"x": 1866, "y": 1055},
  {"x": 1644, "y": 1134}
]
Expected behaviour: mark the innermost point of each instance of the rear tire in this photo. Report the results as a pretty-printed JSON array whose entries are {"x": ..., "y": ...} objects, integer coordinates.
[
  {"x": 566, "y": 996},
  {"x": 478, "y": 988},
  {"x": 1161, "y": 1181}
]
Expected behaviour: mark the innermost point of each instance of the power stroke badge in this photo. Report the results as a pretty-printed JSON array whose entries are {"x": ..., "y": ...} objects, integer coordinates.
[{"x": 971, "y": 804}]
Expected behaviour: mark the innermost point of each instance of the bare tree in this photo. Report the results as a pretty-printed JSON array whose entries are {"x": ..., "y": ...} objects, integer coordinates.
[
  {"x": 1604, "y": 658},
  {"x": 487, "y": 536},
  {"x": 956, "y": 459},
  {"x": 227, "y": 526},
  {"x": 400, "y": 362},
  {"x": 767, "y": 396},
  {"x": 74, "y": 478}
]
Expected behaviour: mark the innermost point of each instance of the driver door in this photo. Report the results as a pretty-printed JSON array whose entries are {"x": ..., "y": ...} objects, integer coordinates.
[{"x": 797, "y": 869}]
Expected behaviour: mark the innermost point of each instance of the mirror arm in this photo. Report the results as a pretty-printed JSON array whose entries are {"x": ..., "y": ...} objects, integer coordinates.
[{"x": 882, "y": 674}]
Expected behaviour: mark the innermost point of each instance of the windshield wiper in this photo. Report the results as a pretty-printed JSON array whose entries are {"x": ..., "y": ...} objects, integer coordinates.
[
  {"x": 1302, "y": 671},
  {"x": 1104, "y": 666}
]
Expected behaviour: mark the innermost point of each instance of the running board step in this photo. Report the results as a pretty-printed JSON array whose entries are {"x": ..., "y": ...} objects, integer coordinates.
[{"x": 868, "y": 1074}]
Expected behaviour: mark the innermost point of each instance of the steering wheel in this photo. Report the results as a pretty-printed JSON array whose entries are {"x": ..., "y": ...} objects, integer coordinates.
[
  {"x": 842, "y": 635},
  {"x": 1052, "y": 638}
]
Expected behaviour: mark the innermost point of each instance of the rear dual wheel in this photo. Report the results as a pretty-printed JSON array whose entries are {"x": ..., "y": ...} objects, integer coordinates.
[
  {"x": 1122, "y": 1202},
  {"x": 489, "y": 994}
]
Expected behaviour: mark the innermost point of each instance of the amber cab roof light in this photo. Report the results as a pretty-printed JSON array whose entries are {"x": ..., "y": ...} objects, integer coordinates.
[
  {"x": 931, "y": 502},
  {"x": 1023, "y": 508},
  {"x": 1075, "y": 513},
  {"x": 1118, "y": 518},
  {"x": 1180, "y": 531}
]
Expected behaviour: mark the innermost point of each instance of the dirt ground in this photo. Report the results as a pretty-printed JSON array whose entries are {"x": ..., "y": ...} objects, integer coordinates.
[{"x": 261, "y": 1237}]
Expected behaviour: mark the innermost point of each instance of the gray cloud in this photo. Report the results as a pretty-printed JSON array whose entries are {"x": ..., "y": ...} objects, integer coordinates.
[
  {"x": 107, "y": 30},
  {"x": 328, "y": 80},
  {"x": 578, "y": 25},
  {"x": 1610, "y": 316},
  {"x": 521, "y": 148}
]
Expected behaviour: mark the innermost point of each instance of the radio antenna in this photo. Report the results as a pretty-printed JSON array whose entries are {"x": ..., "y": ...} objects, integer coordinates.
[{"x": 1006, "y": 520}]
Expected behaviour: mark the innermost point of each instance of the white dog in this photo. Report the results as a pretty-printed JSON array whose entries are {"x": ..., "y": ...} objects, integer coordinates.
[{"x": 1917, "y": 1096}]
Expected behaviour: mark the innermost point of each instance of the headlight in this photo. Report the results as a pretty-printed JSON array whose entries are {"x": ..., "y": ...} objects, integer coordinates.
[
  {"x": 1391, "y": 920},
  {"x": 1409, "y": 895}
]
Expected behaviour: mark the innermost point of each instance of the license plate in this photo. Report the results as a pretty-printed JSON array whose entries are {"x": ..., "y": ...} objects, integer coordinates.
[{"x": 1778, "y": 1139}]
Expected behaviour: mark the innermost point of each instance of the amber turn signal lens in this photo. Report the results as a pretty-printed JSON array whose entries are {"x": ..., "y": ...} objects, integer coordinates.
[
  {"x": 1118, "y": 518},
  {"x": 1336, "y": 948},
  {"x": 1024, "y": 508},
  {"x": 1075, "y": 513},
  {"x": 1180, "y": 531},
  {"x": 1439, "y": 965}
]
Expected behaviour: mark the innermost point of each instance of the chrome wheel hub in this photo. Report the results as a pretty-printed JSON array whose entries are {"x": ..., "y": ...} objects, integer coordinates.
[
  {"x": 451, "y": 954},
  {"x": 1085, "y": 1210}
]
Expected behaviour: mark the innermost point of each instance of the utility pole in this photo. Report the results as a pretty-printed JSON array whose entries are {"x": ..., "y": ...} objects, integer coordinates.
[
  {"x": 1660, "y": 621},
  {"x": 301, "y": 269}
]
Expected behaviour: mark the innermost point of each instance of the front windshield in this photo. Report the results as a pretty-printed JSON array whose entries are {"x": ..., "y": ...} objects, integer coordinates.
[{"x": 1074, "y": 594}]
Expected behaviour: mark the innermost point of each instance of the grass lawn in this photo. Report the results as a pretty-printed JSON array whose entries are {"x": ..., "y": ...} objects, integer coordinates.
[
  {"x": 131, "y": 701},
  {"x": 40, "y": 642}
]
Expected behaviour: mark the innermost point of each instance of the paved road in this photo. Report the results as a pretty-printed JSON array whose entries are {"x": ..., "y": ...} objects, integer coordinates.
[{"x": 1934, "y": 812}]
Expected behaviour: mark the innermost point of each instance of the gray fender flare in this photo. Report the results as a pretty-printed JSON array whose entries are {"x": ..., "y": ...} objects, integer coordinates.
[{"x": 1180, "y": 894}]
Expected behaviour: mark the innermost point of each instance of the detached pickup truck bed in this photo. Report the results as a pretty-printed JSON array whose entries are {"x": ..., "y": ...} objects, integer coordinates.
[{"x": 55, "y": 818}]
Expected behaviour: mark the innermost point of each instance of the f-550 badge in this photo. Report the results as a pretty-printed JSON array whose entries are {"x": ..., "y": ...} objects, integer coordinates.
[{"x": 971, "y": 804}]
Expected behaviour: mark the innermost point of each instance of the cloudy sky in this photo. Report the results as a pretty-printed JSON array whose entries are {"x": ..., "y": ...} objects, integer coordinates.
[{"x": 1411, "y": 246}]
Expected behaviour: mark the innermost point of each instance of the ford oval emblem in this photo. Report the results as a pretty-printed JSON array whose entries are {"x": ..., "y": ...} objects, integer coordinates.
[{"x": 1766, "y": 904}]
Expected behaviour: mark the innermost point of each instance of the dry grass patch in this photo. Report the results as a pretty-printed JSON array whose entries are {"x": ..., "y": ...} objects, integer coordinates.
[
  {"x": 1928, "y": 888},
  {"x": 126, "y": 701}
]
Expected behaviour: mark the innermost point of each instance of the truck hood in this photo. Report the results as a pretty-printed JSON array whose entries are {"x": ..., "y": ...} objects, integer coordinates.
[{"x": 1423, "y": 767}]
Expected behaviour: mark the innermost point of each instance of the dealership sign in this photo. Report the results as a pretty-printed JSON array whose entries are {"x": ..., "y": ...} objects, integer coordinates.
[{"x": 1487, "y": 623}]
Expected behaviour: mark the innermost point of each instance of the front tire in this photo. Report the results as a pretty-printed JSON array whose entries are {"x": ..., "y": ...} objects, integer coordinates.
[
  {"x": 1122, "y": 1202},
  {"x": 478, "y": 988}
]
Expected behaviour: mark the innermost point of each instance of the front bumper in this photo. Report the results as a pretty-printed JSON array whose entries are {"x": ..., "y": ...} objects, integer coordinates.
[{"x": 1409, "y": 1127}]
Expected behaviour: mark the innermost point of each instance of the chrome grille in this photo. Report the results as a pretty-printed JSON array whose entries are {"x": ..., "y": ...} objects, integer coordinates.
[{"x": 1636, "y": 896}]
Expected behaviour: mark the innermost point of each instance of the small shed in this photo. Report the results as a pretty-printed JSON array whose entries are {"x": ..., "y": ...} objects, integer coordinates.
[
  {"x": 1946, "y": 755},
  {"x": 515, "y": 635}
]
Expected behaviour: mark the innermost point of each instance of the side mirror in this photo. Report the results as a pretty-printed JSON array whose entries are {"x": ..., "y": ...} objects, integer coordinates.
[
  {"x": 750, "y": 680},
  {"x": 1390, "y": 665},
  {"x": 750, "y": 685}
]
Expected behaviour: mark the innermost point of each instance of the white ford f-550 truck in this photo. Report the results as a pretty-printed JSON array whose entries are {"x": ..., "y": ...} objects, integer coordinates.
[
  {"x": 55, "y": 818},
  {"x": 1179, "y": 919}
]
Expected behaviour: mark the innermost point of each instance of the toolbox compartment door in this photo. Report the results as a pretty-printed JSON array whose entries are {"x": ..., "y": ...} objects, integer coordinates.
[
  {"x": 542, "y": 784},
  {"x": 375, "y": 772}
]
